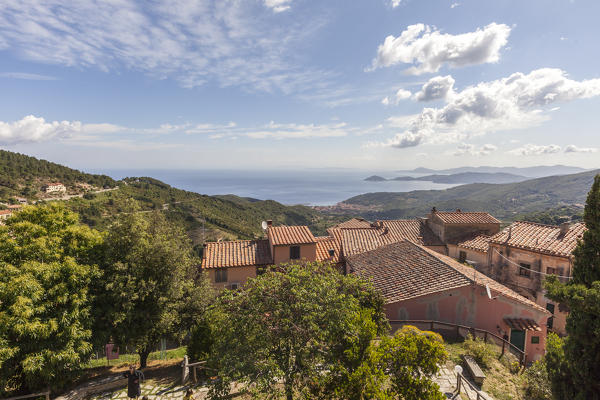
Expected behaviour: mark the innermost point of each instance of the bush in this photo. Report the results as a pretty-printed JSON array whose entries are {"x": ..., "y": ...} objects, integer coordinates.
[
  {"x": 481, "y": 351},
  {"x": 537, "y": 383}
]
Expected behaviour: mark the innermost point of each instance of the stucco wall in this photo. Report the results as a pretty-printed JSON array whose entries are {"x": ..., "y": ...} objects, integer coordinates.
[
  {"x": 481, "y": 258},
  {"x": 234, "y": 275},
  {"x": 281, "y": 254},
  {"x": 470, "y": 306},
  {"x": 508, "y": 273}
]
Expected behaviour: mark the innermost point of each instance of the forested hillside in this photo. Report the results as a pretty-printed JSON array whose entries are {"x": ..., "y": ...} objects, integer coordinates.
[
  {"x": 505, "y": 201},
  {"x": 23, "y": 176}
]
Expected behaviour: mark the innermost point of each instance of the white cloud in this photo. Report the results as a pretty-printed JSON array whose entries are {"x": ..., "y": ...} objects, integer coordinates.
[
  {"x": 437, "y": 88},
  {"x": 33, "y": 129},
  {"x": 575, "y": 149},
  {"x": 232, "y": 43},
  {"x": 296, "y": 131},
  {"x": 395, "y": 3},
  {"x": 278, "y": 5},
  {"x": 515, "y": 102},
  {"x": 429, "y": 49},
  {"x": 472, "y": 150},
  {"x": 26, "y": 76},
  {"x": 454, "y": 5},
  {"x": 385, "y": 101},
  {"x": 535, "y": 150},
  {"x": 401, "y": 94}
]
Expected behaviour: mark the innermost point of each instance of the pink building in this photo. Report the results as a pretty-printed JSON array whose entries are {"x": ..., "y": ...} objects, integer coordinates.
[{"x": 420, "y": 284}]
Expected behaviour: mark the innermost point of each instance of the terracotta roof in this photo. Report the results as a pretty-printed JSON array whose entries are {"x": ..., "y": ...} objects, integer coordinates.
[
  {"x": 414, "y": 230},
  {"x": 540, "y": 238},
  {"x": 326, "y": 243},
  {"x": 406, "y": 270},
  {"x": 286, "y": 235},
  {"x": 354, "y": 223},
  {"x": 356, "y": 241},
  {"x": 477, "y": 243},
  {"x": 236, "y": 253},
  {"x": 461, "y": 217},
  {"x": 523, "y": 324},
  {"x": 5, "y": 212}
]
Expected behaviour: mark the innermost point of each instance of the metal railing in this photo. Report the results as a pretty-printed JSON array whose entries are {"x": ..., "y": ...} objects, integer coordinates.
[
  {"x": 459, "y": 383},
  {"x": 487, "y": 335}
]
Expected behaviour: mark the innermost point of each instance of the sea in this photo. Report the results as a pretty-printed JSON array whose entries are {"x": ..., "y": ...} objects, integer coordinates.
[{"x": 314, "y": 187}]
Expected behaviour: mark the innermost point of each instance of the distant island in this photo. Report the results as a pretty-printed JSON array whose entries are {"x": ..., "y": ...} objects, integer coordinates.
[
  {"x": 530, "y": 172},
  {"x": 458, "y": 178}
]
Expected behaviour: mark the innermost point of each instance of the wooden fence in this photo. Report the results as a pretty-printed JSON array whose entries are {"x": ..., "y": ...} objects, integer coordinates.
[{"x": 457, "y": 330}]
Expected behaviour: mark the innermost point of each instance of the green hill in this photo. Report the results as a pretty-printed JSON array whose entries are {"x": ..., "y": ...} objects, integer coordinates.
[
  {"x": 23, "y": 176},
  {"x": 505, "y": 201}
]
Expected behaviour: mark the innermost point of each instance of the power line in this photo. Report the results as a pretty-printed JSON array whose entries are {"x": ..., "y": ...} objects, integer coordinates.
[{"x": 531, "y": 270}]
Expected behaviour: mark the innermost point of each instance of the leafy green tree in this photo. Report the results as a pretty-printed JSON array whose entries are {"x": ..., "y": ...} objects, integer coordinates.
[
  {"x": 46, "y": 267},
  {"x": 152, "y": 287},
  {"x": 290, "y": 326},
  {"x": 573, "y": 366}
]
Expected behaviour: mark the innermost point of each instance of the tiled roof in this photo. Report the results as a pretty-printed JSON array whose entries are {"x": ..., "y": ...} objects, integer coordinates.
[
  {"x": 356, "y": 241},
  {"x": 236, "y": 253},
  {"x": 414, "y": 230},
  {"x": 5, "y": 212},
  {"x": 477, "y": 243},
  {"x": 354, "y": 223},
  {"x": 326, "y": 243},
  {"x": 540, "y": 238},
  {"x": 406, "y": 270},
  {"x": 286, "y": 235},
  {"x": 460, "y": 217},
  {"x": 523, "y": 324}
]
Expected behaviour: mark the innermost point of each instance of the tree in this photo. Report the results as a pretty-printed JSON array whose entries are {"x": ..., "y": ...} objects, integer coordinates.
[
  {"x": 573, "y": 364},
  {"x": 46, "y": 267},
  {"x": 152, "y": 287},
  {"x": 290, "y": 325}
]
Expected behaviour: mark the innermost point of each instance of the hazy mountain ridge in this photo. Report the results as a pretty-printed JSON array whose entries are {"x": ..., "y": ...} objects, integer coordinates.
[
  {"x": 531, "y": 172},
  {"x": 458, "y": 178}
]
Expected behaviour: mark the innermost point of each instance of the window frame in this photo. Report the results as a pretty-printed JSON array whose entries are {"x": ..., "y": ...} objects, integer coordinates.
[
  {"x": 462, "y": 256},
  {"x": 525, "y": 270},
  {"x": 221, "y": 275},
  {"x": 292, "y": 249}
]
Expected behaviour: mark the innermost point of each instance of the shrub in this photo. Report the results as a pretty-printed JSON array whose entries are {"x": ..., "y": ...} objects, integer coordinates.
[
  {"x": 537, "y": 384},
  {"x": 481, "y": 351}
]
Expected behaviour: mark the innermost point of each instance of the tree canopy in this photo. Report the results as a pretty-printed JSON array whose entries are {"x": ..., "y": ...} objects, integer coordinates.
[
  {"x": 152, "y": 287},
  {"x": 573, "y": 363},
  {"x": 46, "y": 266}
]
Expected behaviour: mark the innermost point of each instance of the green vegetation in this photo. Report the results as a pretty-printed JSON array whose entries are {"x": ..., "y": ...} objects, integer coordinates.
[
  {"x": 151, "y": 286},
  {"x": 21, "y": 175},
  {"x": 554, "y": 216},
  {"x": 505, "y": 201},
  {"x": 572, "y": 363},
  {"x": 204, "y": 217},
  {"x": 47, "y": 264},
  {"x": 307, "y": 331},
  {"x": 127, "y": 359}
]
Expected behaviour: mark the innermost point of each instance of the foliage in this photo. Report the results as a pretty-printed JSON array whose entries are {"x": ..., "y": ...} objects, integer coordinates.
[
  {"x": 482, "y": 352},
  {"x": 537, "y": 383},
  {"x": 554, "y": 216},
  {"x": 152, "y": 287},
  {"x": 573, "y": 364},
  {"x": 412, "y": 357},
  {"x": 19, "y": 172},
  {"x": 46, "y": 266},
  {"x": 292, "y": 326},
  {"x": 504, "y": 201}
]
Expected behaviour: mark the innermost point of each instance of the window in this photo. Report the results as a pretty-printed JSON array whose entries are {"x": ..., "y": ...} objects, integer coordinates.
[
  {"x": 550, "y": 307},
  {"x": 535, "y": 339},
  {"x": 550, "y": 323},
  {"x": 525, "y": 270},
  {"x": 294, "y": 252},
  {"x": 221, "y": 275},
  {"x": 551, "y": 270},
  {"x": 462, "y": 256}
]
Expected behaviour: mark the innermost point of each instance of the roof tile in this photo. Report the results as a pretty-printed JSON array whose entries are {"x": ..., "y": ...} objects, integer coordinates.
[
  {"x": 461, "y": 217},
  {"x": 236, "y": 253},
  {"x": 286, "y": 235}
]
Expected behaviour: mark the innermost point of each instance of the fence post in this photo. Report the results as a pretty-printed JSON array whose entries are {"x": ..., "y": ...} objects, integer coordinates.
[
  {"x": 503, "y": 344},
  {"x": 485, "y": 337},
  {"x": 431, "y": 326},
  {"x": 458, "y": 382},
  {"x": 48, "y": 395},
  {"x": 185, "y": 372},
  {"x": 457, "y": 332}
]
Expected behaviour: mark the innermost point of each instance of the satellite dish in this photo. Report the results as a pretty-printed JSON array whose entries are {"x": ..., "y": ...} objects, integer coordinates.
[
  {"x": 487, "y": 290},
  {"x": 264, "y": 225}
]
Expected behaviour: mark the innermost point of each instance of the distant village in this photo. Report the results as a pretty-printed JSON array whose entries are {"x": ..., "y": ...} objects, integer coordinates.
[{"x": 456, "y": 267}]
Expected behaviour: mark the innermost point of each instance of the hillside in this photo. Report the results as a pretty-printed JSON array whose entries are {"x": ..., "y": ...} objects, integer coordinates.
[
  {"x": 531, "y": 172},
  {"x": 505, "y": 201},
  {"x": 467, "y": 177},
  {"x": 23, "y": 176}
]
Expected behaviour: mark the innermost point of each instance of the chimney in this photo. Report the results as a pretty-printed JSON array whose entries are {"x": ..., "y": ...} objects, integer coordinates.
[
  {"x": 433, "y": 210},
  {"x": 269, "y": 223},
  {"x": 509, "y": 233},
  {"x": 564, "y": 228},
  {"x": 458, "y": 210}
]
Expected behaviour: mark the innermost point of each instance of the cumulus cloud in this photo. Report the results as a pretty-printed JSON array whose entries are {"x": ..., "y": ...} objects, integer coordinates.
[
  {"x": 575, "y": 149},
  {"x": 437, "y": 88},
  {"x": 231, "y": 43},
  {"x": 516, "y": 102},
  {"x": 33, "y": 129},
  {"x": 535, "y": 150},
  {"x": 401, "y": 94},
  {"x": 428, "y": 49},
  {"x": 472, "y": 150},
  {"x": 278, "y": 5}
]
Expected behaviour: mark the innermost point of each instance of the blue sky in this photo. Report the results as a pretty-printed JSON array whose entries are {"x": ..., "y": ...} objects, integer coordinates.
[{"x": 373, "y": 84}]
